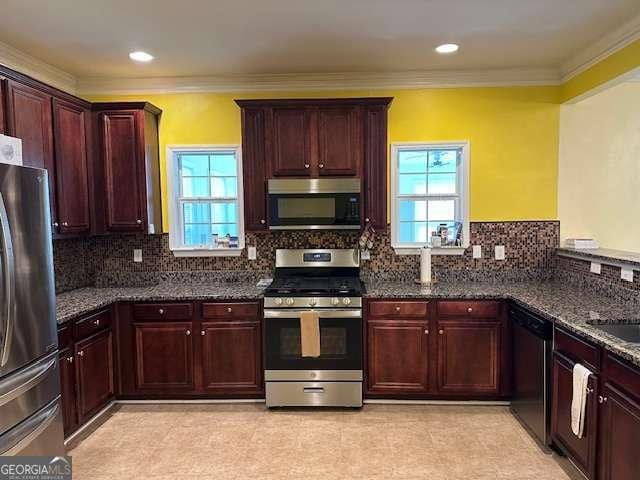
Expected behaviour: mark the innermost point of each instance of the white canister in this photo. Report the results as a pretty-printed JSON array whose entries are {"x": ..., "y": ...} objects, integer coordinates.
[{"x": 425, "y": 265}]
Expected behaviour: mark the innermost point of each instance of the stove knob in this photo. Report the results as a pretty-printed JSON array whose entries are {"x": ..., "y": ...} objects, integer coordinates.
[
  {"x": 290, "y": 301},
  {"x": 313, "y": 302},
  {"x": 335, "y": 301},
  {"x": 346, "y": 301},
  {"x": 278, "y": 301}
]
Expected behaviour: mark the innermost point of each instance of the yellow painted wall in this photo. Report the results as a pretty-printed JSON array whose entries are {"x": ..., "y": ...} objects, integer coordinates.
[
  {"x": 619, "y": 63},
  {"x": 599, "y": 181},
  {"x": 513, "y": 133}
]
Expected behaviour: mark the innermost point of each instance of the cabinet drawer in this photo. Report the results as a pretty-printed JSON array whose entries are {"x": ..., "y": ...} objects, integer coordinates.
[
  {"x": 230, "y": 310},
  {"x": 93, "y": 323},
  {"x": 399, "y": 309},
  {"x": 622, "y": 374},
  {"x": 475, "y": 309},
  {"x": 160, "y": 311},
  {"x": 576, "y": 349},
  {"x": 65, "y": 336}
]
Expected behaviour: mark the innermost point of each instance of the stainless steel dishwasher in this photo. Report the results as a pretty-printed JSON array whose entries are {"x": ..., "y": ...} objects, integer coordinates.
[{"x": 532, "y": 348}]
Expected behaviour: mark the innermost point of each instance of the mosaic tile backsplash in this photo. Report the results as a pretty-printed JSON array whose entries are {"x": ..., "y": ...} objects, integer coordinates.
[{"x": 108, "y": 261}]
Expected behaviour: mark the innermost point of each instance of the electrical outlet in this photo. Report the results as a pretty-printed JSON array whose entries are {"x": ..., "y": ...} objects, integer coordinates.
[
  {"x": 477, "y": 251},
  {"x": 596, "y": 268},
  {"x": 252, "y": 253},
  {"x": 365, "y": 254},
  {"x": 626, "y": 274},
  {"x": 137, "y": 255},
  {"x": 499, "y": 252}
]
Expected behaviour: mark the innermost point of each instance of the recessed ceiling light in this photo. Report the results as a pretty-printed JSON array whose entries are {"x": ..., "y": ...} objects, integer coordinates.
[
  {"x": 140, "y": 56},
  {"x": 447, "y": 48}
]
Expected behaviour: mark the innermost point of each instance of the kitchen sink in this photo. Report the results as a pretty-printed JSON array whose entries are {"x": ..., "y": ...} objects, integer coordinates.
[{"x": 629, "y": 332}]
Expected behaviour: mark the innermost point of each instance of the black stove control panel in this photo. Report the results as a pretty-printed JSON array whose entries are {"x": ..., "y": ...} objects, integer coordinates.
[{"x": 316, "y": 257}]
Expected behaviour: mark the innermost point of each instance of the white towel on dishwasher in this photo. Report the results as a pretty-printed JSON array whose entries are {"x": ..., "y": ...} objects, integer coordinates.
[{"x": 579, "y": 401}]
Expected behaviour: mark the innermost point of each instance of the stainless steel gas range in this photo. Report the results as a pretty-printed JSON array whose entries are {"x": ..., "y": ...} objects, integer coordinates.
[{"x": 326, "y": 282}]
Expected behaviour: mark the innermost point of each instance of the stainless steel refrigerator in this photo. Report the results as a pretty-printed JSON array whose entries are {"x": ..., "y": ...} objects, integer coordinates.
[{"x": 30, "y": 410}]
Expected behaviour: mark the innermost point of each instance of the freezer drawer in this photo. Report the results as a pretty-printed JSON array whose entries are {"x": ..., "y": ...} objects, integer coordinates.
[
  {"x": 314, "y": 394},
  {"x": 27, "y": 390},
  {"x": 39, "y": 434}
]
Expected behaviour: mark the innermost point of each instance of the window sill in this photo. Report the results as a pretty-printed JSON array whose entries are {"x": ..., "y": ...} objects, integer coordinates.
[
  {"x": 434, "y": 251},
  {"x": 207, "y": 252}
]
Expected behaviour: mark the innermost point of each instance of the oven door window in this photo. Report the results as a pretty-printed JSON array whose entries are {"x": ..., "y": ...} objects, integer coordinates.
[
  {"x": 314, "y": 209},
  {"x": 340, "y": 345}
]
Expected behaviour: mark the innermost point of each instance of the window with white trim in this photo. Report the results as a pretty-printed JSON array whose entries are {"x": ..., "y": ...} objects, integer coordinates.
[
  {"x": 206, "y": 200},
  {"x": 429, "y": 187}
]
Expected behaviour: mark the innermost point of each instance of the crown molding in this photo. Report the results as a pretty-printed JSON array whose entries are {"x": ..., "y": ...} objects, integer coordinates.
[
  {"x": 26, "y": 64},
  {"x": 320, "y": 81},
  {"x": 607, "y": 45}
]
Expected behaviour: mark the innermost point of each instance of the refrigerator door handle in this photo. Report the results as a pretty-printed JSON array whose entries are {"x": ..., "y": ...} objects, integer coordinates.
[
  {"x": 8, "y": 284},
  {"x": 16, "y": 385},
  {"x": 16, "y": 439}
]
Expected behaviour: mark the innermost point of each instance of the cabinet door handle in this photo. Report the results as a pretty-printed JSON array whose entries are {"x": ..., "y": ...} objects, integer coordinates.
[
  {"x": 229, "y": 309},
  {"x": 161, "y": 311},
  {"x": 366, "y": 220},
  {"x": 81, "y": 353},
  {"x": 426, "y": 331},
  {"x": 56, "y": 224},
  {"x": 263, "y": 221},
  {"x": 441, "y": 332},
  {"x": 601, "y": 399},
  {"x": 469, "y": 309},
  {"x": 139, "y": 222},
  {"x": 187, "y": 333},
  {"x": 397, "y": 309},
  {"x": 589, "y": 390},
  {"x": 321, "y": 165},
  {"x": 65, "y": 224},
  {"x": 70, "y": 359},
  {"x": 306, "y": 165},
  {"x": 96, "y": 322},
  {"x": 605, "y": 399},
  {"x": 202, "y": 332}
]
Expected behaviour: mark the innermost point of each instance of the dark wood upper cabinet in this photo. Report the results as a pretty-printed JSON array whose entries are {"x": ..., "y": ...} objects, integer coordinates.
[
  {"x": 375, "y": 166},
  {"x": 581, "y": 450},
  {"x": 129, "y": 154},
  {"x": 254, "y": 171},
  {"x": 94, "y": 374},
  {"x": 469, "y": 353},
  {"x": 231, "y": 352},
  {"x": 340, "y": 144},
  {"x": 3, "y": 99},
  {"x": 71, "y": 177},
  {"x": 290, "y": 142},
  {"x": 311, "y": 138},
  {"x": 398, "y": 356},
  {"x": 163, "y": 356}
]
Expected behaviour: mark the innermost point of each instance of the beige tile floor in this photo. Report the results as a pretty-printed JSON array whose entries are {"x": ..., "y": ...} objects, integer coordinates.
[{"x": 245, "y": 441}]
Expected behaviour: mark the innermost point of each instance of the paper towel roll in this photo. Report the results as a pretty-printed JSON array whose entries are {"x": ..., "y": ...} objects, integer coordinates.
[{"x": 425, "y": 265}]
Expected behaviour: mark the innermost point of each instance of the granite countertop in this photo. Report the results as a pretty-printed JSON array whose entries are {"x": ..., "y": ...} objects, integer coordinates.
[
  {"x": 567, "y": 306},
  {"x": 78, "y": 302}
]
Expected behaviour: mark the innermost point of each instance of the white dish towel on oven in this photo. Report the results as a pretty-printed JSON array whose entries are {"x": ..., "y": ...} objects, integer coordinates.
[{"x": 579, "y": 401}]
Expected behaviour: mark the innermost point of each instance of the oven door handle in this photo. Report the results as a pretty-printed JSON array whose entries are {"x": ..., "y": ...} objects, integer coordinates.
[{"x": 329, "y": 313}]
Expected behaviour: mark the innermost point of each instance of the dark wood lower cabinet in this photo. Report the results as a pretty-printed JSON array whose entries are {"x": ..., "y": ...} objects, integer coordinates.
[
  {"x": 67, "y": 367},
  {"x": 398, "y": 356},
  {"x": 469, "y": 355},
  {"x": 163, "y": 356},
  {"x": 581, "y": 450},
  {"x": 231, "y": 357},
  {"x": 94, "y": 373}
]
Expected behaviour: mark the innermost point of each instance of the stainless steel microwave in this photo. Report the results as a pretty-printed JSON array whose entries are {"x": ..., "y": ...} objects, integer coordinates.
[{"x": 314, "y": 204}]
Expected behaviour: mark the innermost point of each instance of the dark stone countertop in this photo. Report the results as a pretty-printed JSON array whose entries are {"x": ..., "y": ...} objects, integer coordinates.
[
  {"x": 78, "y": 302},
  {"x": 565, "y": 305}
]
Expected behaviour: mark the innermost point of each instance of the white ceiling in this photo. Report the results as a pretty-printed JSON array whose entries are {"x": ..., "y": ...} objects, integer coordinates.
[{"x": 91, "y": 38}]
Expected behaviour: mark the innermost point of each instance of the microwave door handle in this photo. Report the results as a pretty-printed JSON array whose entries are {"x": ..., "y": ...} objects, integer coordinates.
[{"x": 8, "y": 284}]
